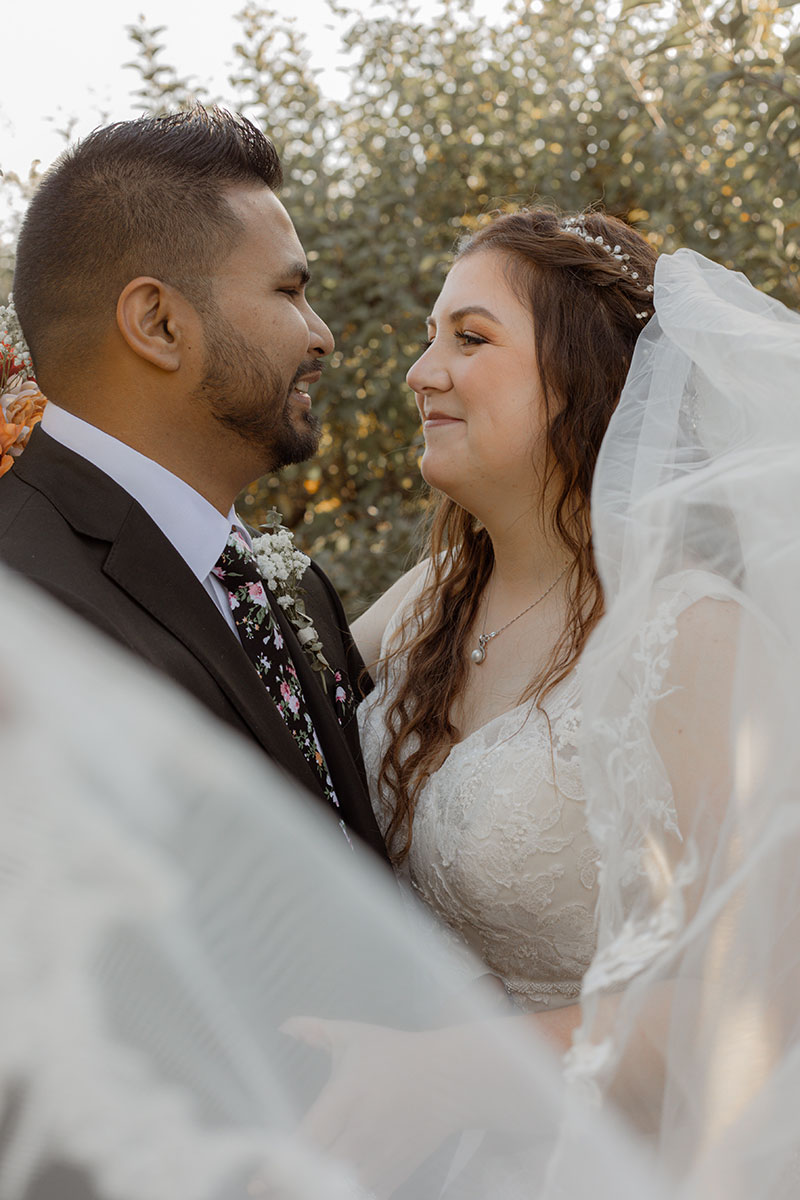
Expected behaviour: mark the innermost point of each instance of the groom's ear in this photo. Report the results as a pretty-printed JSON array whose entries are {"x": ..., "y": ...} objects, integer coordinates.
[{"x": 158, "y": 323}]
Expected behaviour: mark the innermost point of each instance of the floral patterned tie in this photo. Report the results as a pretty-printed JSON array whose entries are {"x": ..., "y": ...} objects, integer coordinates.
[{"x": 261, "y": 637}]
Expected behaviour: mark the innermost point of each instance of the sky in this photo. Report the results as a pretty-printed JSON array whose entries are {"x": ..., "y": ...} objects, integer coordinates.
[{"x": 66, "y": 60}]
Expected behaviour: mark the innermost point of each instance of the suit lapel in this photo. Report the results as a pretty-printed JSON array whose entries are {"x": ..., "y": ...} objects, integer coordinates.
[
  {"x": 142, "y": 562},
  {"x": 345, "y": 771},
  {"x": 145, "y": 564}
]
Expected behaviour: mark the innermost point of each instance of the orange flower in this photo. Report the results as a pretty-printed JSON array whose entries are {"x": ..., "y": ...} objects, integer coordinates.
[
  {"x": 20, "y": 409},
  {"x": 8, "y": 435}
]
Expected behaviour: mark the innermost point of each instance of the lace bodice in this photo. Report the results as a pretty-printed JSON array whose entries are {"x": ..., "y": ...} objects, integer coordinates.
[{"x": 500, "y": 850}]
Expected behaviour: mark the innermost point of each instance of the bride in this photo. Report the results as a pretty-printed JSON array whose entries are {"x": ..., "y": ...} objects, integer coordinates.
[
  {"x": 582, "y": 742},
  {"x": 471, "y": 736}
]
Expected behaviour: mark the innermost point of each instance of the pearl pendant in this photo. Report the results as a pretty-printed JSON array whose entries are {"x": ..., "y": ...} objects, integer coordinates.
[{"x": 478, "y": 655}]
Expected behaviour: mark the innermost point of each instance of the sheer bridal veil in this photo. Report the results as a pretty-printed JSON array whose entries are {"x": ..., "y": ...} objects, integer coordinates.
[
  {"x": 690, "y": 751},
  {"x": 168, "y": 903}
]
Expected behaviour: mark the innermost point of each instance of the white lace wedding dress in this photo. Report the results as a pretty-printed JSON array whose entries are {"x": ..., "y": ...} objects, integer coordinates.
[{"x": 501, "y": 852}]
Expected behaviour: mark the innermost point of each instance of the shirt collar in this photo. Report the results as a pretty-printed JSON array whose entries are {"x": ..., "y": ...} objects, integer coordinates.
[{"x": 190, "y": 522}]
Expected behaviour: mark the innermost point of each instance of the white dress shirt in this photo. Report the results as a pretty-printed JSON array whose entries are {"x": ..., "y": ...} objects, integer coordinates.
[{"x": 190, "y": 522}]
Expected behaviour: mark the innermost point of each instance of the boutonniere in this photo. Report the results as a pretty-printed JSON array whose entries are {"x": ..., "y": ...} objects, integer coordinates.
[
  {"x": 282, "y": 566},
  {"x": 21, "y": 402}
]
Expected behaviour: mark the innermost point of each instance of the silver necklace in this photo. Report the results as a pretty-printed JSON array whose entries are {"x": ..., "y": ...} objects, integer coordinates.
[{"x": 479, "y": 653}]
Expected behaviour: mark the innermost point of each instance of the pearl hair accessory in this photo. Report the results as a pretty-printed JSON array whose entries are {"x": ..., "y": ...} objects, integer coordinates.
[{"x": 575, "y": 225}]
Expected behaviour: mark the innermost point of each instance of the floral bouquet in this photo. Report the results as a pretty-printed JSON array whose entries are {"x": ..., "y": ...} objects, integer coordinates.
[{"x": 21, "y": 402}]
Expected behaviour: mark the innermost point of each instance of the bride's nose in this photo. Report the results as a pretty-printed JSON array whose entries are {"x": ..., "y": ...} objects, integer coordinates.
[{"x": 428, "y": 374}]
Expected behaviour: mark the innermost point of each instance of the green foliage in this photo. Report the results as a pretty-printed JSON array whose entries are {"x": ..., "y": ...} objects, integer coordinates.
[
  {"x": 161, "y": 89},
  {"x": 15, "y": 192},
  {"x": 683, "y": 120},
  {"x": 681, "y": 117}
]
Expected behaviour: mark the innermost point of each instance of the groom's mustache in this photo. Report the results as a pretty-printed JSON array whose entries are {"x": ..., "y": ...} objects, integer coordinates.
[{"x": 309, "y": 366}]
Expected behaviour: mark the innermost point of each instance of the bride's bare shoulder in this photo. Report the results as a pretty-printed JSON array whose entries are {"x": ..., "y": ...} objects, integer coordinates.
[{"x": 369, "y": 628}]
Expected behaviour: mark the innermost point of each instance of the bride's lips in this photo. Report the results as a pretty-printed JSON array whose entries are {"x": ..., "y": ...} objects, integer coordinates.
[{"x": 438, "y": 420}]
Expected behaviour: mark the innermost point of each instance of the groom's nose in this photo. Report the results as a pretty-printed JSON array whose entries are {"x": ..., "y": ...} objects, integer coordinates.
[{"x": 320, "y": 338}]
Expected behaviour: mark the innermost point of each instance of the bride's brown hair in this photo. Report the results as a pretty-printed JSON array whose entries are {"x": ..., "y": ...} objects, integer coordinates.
[{"x": 589, "y": 305}]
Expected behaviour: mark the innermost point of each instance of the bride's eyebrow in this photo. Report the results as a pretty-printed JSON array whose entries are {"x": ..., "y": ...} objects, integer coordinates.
[{"x": 469, "y": 310}]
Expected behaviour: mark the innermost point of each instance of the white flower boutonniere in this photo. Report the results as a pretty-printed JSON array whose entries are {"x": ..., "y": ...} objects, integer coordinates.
[{"x": 282, "y": 566}]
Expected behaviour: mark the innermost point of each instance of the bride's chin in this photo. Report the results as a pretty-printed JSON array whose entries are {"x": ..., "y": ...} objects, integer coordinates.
[
  {"x": 448, "y": 480},
  {"x": 435, "y": 472}
]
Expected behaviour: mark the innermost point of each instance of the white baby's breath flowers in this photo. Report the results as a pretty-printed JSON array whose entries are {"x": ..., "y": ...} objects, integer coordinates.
[
  {"x": 279, "y": 560},
  {"x": 15, "y": 357},
  {"x": 282, "y": 566}
]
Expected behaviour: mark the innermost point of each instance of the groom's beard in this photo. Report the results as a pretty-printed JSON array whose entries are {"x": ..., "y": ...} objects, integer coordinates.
[{"x": 245, "y": 393}]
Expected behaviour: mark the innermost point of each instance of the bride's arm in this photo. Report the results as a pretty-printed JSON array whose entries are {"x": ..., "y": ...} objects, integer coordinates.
[{"x": 369, "y": 628}]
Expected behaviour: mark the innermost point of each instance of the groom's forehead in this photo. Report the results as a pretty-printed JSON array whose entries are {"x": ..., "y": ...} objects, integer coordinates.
[
  {"x": 268, "y": 240},
  {"x": 258, "y": 208}
]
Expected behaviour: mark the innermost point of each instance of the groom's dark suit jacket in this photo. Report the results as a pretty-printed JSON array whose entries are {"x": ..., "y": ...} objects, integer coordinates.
[{"x": 71, "y": 529}]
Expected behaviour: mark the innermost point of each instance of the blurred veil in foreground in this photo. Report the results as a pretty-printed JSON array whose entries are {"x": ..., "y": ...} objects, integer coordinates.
[{"x": 167, "y": 902}]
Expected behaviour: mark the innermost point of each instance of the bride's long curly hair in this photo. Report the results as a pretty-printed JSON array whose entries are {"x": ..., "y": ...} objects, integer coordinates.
[{"x": 588, "y": 314}]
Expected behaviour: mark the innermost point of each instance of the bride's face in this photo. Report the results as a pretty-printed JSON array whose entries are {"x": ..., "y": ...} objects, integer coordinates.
[{"x": 478, "y": 390}]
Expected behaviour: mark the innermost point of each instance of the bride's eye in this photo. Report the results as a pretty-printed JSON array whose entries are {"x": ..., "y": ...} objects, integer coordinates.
[
  {"x": 426, "y": 343},
  {"x": 469, "y": 339}
]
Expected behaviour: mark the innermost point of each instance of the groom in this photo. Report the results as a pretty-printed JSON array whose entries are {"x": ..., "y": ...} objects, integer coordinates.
[{"x": 162, "y": 290}]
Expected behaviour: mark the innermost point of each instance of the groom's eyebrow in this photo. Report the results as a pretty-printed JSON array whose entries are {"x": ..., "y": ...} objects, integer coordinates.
[{"x": 298, "y": 272}]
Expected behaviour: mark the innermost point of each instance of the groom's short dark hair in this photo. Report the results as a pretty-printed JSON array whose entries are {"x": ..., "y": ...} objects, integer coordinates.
[{"x": 142, "y": 197}]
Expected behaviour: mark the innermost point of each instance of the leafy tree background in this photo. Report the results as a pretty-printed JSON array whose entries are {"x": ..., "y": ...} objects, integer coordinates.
[{"x": 681, "y": 117}]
